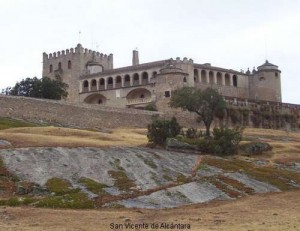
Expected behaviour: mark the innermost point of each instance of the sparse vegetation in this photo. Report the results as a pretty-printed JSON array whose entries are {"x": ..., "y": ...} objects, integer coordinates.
[
  {"x": 59, "y": 186},
  {"x": 6, "y": 123},
  {"x": 93, "y": 186},
  {"x": 122, "y": 181},
  {"x": 74, "y": 200}
]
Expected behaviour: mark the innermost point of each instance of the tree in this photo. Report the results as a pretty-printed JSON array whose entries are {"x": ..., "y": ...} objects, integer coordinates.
[
  {"x": 40, "y": 88},
  {"x": 204, "y": 103}
]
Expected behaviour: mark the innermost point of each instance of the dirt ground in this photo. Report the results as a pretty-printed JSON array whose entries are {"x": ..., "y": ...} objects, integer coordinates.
[{"x": 273, "y": 211}]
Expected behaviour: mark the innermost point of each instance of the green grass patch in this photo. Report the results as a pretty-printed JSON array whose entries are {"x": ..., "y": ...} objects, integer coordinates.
[
  {"x": 93, "y": 186},
  {"x": 77, "y": 200},
  {"x": 59, "y": 186},
  {"x": 6, "y": 123},
  {"x": 122, "y": 181},
  {"x": 280, "y": 178},
  {"x": 17, "y": 201},
  {"x": 182, "y": 178}
]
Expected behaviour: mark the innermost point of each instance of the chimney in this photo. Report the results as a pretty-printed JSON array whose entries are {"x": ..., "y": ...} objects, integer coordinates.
[{"x": 135, "y": 58}]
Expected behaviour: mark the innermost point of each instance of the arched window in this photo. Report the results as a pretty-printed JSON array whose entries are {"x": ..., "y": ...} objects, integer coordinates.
[
  {"x": 50, "y": 68},
  {"x": 136, "y": 79},
  {"x": 184, "y": 80},
  {"x": 154, "y": 73},
  {"x": 211, "y": 77},
  {"x": 127, "y": 81},
  {"x": 196, "y": 75},
  {"x": 94, "y": 85},
  {"x": 59, "y": 66},
  {"x": 203, "y": 76},
  {"x": 85, "y": 87},
  {"x": 219, "y": 78},
  {"x": 118, "y": 81},
  {"x": 110, "y": 82},
  {"x": 69, "y": 64},
  {"x": 85, "y": 83},
  {"x": 101, "y": 84},
  {"x": 234, "y": 79},
  {"x": 144, "y": 78},
  {"x": 227, "y": 79}
]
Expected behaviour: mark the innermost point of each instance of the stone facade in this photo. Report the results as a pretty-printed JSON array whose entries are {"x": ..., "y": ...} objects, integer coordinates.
[{"x": 93, "y": 80}]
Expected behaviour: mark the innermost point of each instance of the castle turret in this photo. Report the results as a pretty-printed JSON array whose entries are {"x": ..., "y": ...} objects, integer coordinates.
[{"x": 266, "y": 83}]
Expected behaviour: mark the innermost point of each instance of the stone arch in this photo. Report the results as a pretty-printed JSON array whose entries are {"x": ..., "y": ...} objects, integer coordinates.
[
  {"x": 211, "y": 77},
  {"x": 196, "y": 75},
  {"x": 234, "y": 80},
  {"x": 145, "y": 78},
  {"x": 154, "y": 73},
  {"x": 94, "y": 85},
  {"x": 203, "y": 76},
  {"x": 69, "y": 64},
  {"x": 136, "y": 79},
  {"x": 118, "y": 82},
  {"x": 227, "y": 79},
  {"x": 110, "y": 82},
  {"x": 95, "y": 99},
  {"x": 102, "y": 84},
  {"x": 85, "y": 86},
  {"x": 219, "y": 78},
  {"x": 126, "y": 80},
  {"x": 139, "y": 93}
]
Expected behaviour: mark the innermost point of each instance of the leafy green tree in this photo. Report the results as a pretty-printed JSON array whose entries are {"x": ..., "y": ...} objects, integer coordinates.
[
  {"x": 40, "y": 88},
  {"x": 204, "y": 103}
]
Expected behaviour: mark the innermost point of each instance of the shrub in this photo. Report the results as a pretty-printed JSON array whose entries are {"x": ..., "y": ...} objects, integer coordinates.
[
  {"x": 192, "y": 133},
  {"x": 227, "y": 140},
  {"x": 160, "y": 130}
]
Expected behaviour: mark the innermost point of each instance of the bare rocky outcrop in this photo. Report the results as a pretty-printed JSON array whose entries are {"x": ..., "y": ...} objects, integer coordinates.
[{"x": 156, "y": 178}]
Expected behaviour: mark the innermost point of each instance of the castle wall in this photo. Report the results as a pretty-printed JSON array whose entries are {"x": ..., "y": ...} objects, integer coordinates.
[{"x": 72, "y": 115}]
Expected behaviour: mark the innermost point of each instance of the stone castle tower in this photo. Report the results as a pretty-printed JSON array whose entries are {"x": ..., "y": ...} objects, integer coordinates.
[
  {"x": 70, "y": 64},
  {"x": 265, "y": 83}
]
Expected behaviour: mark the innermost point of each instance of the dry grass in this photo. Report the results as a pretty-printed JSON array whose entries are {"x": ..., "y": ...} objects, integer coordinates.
[
  {"x": 66, "y": 137},
  {"x": 286, "y": 148}
]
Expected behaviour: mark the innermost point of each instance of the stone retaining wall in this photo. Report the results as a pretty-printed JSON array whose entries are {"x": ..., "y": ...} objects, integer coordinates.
[{"x": 72, "y": 115}]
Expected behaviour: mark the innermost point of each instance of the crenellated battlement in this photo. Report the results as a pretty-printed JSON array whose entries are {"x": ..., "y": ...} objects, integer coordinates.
[
  {"x": 184, "y": 60},
  {"x": 78, "y": 50}
]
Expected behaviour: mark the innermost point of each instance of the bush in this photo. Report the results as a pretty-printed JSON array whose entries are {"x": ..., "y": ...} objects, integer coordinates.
[
  {"x": 160, "y": 130},
  {"x": 192, "y": 133},
  {"x": 225, "y": 141}
]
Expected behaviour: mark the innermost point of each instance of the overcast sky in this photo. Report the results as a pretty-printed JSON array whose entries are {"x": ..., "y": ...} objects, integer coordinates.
[{"x": 234, "y": 34}]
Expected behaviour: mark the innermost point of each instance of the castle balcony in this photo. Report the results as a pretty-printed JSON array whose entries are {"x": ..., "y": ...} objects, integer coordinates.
[{"x": 137, "y": 101}]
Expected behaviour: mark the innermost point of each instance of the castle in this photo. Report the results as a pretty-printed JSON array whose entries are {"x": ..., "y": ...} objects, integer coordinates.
[{"x": 92, "y": 79}]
